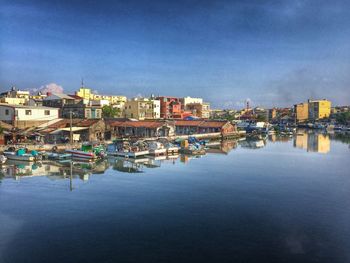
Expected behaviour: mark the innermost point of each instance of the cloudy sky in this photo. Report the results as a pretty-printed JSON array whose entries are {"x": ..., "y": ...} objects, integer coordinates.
[{"x": 272, "y": 52}]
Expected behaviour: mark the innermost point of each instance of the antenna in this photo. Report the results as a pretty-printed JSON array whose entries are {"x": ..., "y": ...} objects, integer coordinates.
[{"x": 82, "y": 82}]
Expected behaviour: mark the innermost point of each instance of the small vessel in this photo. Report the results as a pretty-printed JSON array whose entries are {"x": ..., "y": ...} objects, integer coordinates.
[
  {"x": 193, "y": 148},
  {"x": 156, "y": 148},
  {"x": 3, "y": 159},
  {"x": 21, "y": 155},
  {"x": 58, "y": 156},
  {"x": 171, "y": 149},
  {"x": 125, "y": 149},
  {"x": 88, "y": 151}
]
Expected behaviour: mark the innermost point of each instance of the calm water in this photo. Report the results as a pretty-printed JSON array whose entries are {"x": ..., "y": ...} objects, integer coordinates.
[{"x": 279, "y": 200}]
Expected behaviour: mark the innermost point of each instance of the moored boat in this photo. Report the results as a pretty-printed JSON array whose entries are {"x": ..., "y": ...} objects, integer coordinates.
[
  {"x": 171, "y": 149},
  {"x": 89, "y": 151},
  {"x": 21, "y": 155},
  {"x": 156, "y": 148},
  {"x": 125, "y": 149},
  {"x": 58, "y": 156}
]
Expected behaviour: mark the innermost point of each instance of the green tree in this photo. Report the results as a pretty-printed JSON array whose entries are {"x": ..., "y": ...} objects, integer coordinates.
[
  {"x": 343, "y": 117},
  {"x": 262, "y": 118},
  {"x": 109, "y": 111}
]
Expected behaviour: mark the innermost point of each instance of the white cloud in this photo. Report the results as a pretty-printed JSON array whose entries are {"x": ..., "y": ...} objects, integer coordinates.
[{"x": 51, "y": 87}]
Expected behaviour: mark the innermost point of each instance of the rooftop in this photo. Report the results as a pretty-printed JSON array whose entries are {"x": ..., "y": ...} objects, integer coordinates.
[{"x": 27, "y": 106}]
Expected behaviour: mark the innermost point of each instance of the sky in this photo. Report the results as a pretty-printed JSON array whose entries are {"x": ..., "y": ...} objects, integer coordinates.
[{"x": 272, "y": 53}]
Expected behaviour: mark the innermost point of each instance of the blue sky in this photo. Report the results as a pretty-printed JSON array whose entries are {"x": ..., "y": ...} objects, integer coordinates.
[{"x": 275, "y": 53}]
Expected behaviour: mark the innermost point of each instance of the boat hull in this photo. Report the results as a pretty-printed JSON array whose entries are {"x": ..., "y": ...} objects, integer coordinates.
[
  {"x": 131, "y": 154},
  {"x": 25, "y": 157},
  {"x": 81, "y": 154}
]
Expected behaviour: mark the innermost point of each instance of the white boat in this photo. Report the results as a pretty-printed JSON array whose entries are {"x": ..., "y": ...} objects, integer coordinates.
[
  {"x": 131, "y": 154},
  {"x": 124, "y": 149},
  {"x": 156, "y": 148},
  {"x": 89, "y": 151},
  {"x": 3, "y": 159},
  {"x": 58, "y": 156},
  {"x": 171, "y": 149},
  {"x": 24, "y": 157},
  {"x": 81, "y": 154}
]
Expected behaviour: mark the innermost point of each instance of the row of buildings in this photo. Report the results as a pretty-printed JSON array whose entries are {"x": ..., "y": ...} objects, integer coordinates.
[
  {"x": 59, "y": 130},
  {"x": 20, "y": 108},
  {"x": 312, "y": 110}
]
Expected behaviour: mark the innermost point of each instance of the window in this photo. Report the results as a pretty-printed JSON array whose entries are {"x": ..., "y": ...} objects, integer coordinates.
[
  {"x": 47, "y": 112},
  {"x": 28, "y": 112},
  {"x": 7, "y": 112}
]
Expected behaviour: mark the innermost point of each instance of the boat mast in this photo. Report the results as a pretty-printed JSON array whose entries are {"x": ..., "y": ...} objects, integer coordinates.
[{"x": 71, "y": 132}]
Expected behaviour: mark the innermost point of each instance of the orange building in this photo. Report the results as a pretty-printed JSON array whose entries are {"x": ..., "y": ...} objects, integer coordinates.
[{"x": 170, "y": 108}]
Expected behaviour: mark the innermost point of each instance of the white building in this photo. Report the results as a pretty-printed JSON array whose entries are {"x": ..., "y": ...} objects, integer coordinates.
[
  {"x": 190, "y": 100},
  {"x": 27, "y": 116}
]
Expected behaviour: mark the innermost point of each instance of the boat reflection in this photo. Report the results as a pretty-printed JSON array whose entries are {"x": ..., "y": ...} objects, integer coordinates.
[
  {"x": 308, "y": 140},
  {"x": 253, "y": 143}
]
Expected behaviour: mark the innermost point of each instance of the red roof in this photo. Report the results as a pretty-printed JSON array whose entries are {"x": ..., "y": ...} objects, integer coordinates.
[
  {"x": 137, "y": 124},
  {"x": 76, "y": 122},
  {"x": 213, "y": 124},
  {"x": 188, "y": 123},
  {"x": 201, "y": 123}
]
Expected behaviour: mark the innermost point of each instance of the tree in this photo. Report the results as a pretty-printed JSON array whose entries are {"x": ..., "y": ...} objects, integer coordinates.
[
  {"x": 262, "y": 117},
  {"x": 343, "y": 117},
  {"x": 109, "y": 111}
]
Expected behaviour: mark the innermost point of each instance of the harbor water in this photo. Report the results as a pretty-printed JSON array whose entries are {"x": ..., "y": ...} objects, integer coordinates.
[{"x": 276, "y": 199}]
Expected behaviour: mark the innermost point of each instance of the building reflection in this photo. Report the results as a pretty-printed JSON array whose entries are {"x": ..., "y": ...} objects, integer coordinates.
[
  {"x": 313, "y": 142},
  {"x": 222, "y": 147}
]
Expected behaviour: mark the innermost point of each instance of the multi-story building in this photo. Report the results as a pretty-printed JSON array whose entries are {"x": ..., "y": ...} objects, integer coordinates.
[
  {"x": 15, "y": 97},
  {"x": 22, "y": 116},
  {"x": 59, "y": 100},
  {"x": 113, "y": 99},
  {"x": 272, "y": 114},
  {"x": 200, "y": 110},
  {"x": 189, "y": 100},
  {"x": 82, "y": 110},
  {"x": 170, "y": 107},
  {"x": 319, "y": 109},
  {"x": 84, "y": 93},
  {"x": 142, "y": 108},
  {"x": 301, "y": 112}
]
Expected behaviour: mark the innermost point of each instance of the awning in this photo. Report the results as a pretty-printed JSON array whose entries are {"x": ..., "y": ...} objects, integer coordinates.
[{"x": 74, "y": 129}]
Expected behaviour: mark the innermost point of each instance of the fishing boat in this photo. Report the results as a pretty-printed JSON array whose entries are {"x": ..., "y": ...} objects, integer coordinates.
[
  {"x": 21, "y": 155},
  {"x": 171, "y": 149},
  {"x": 3, "y": 159},
  {"x": 192, "y": 149},
  {"x": 156, "y": 148},
  {"x": 58, "y": 156},
  {"x": 88, "y": 151},
  {"x": 126, "y": 149}
]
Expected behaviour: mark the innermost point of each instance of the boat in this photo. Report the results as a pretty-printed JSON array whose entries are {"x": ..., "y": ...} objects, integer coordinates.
[
  {"x": 156, "y": 148},
  {"x": 88, "y": 151},
  {"x": 126, "y": 149},
  {"x": 3, "y": 159},
  {"x": 192, "y": 149},
  {"x": 171, "y": 149},
  {"x": 58, "y": 156},
  {"x": 21, "y": 155}
]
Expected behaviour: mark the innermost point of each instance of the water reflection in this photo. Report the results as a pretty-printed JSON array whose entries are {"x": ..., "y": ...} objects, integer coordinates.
[
  {"x": 312, "y": 142},
  {"x": 309, "y": 141}
]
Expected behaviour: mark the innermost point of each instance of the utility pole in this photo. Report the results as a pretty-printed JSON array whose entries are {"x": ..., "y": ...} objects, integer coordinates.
[{"x": 71, "y": 131}]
